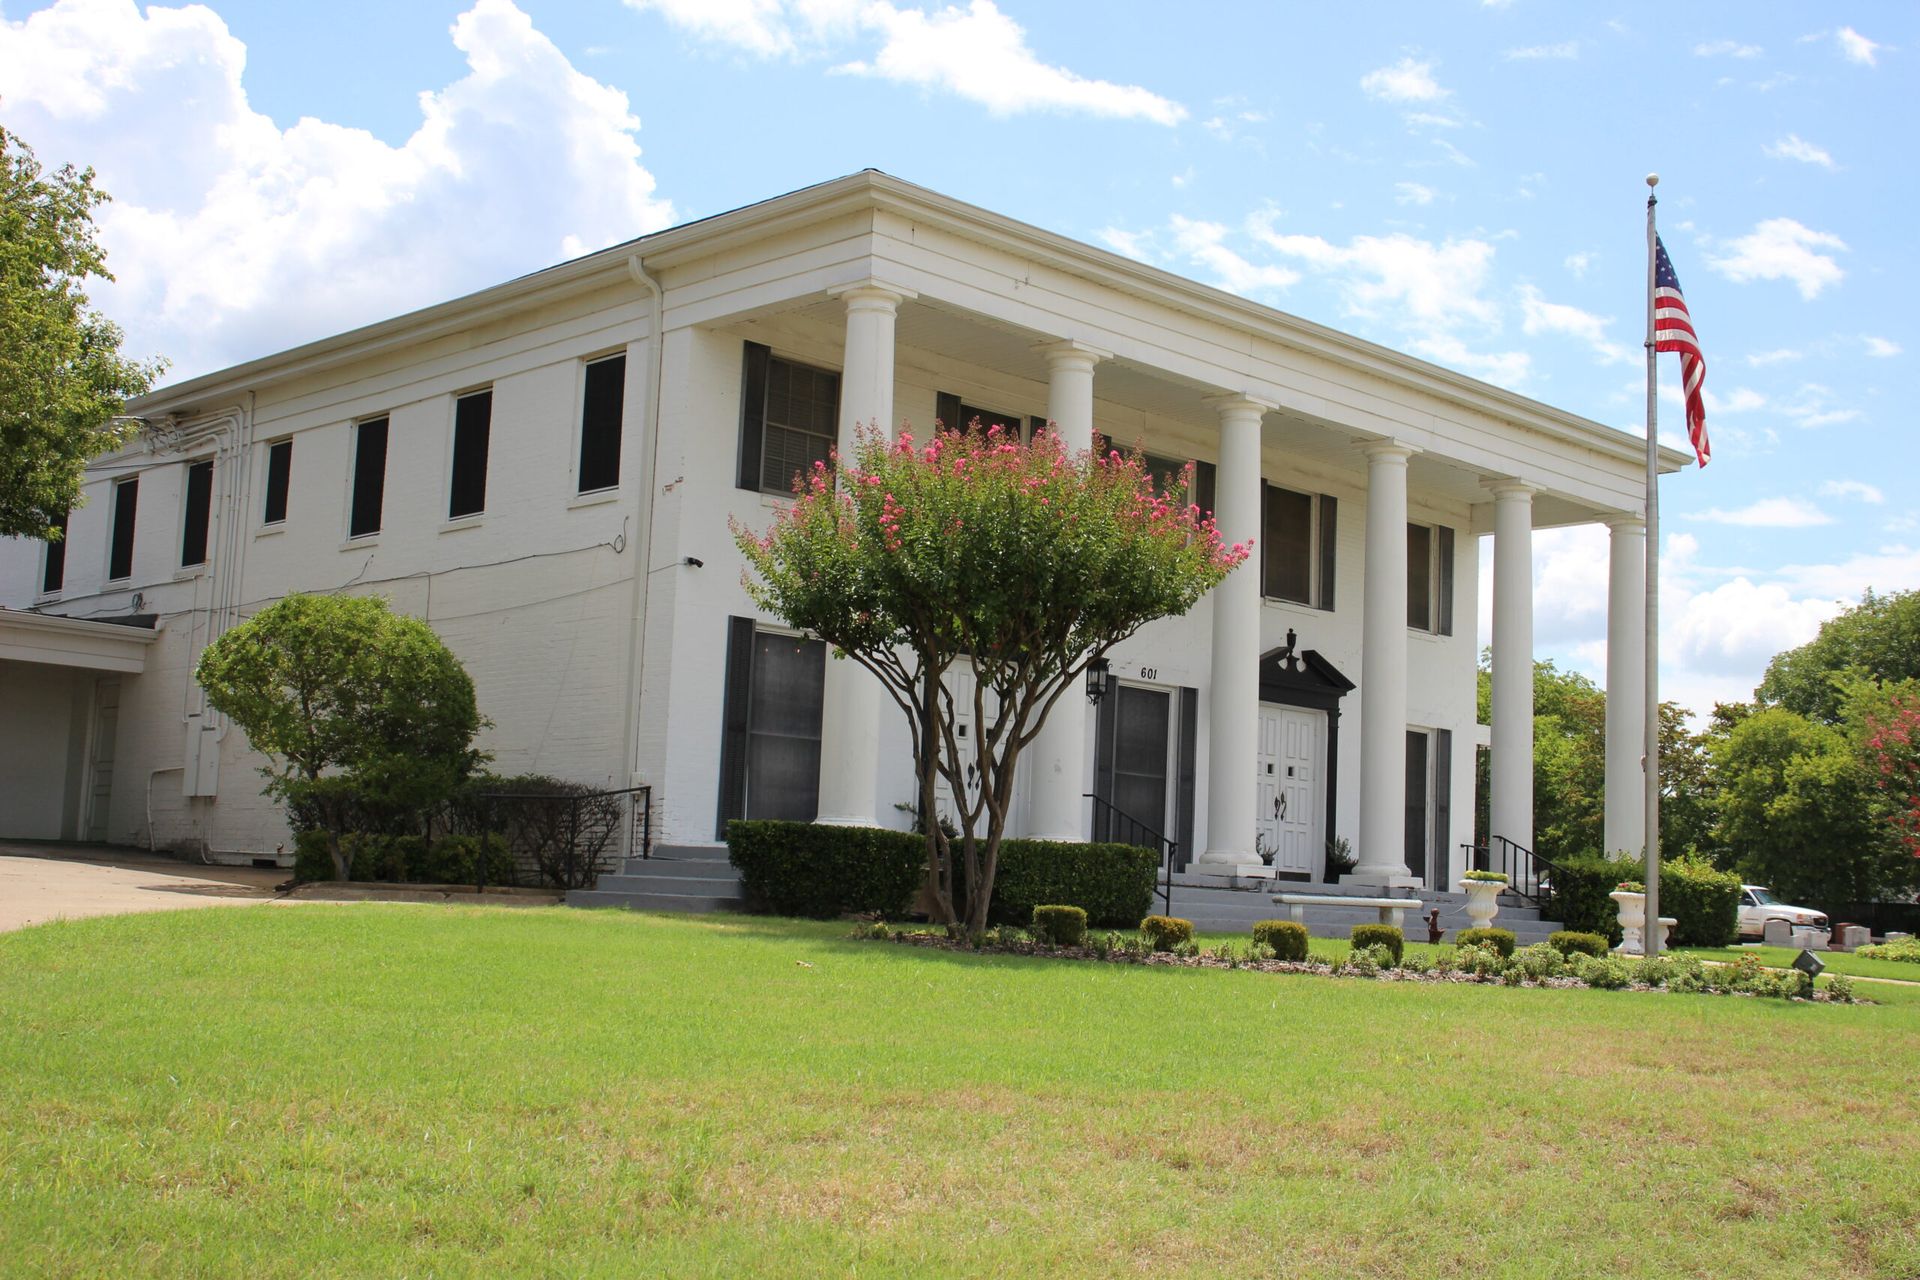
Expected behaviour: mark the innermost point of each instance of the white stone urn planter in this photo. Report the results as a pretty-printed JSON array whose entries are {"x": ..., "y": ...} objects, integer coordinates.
[
  {"x": 1633, "y": 921},
  {"x": 1483, "y": 900}
]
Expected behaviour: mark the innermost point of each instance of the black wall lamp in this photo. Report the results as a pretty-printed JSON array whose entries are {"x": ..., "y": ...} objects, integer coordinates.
[{"x": 1097, "y": 680}]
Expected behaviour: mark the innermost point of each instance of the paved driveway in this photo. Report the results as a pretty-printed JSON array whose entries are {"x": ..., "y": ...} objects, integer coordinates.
[{"x": 40, "y": 883}]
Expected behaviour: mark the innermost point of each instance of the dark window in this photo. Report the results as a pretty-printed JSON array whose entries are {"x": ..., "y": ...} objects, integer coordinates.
[
  {"x": 789, "y": 420},
  {"x": 54, "y": 575},
  {"x": 1420, "y": 577},
  {"x": 279, "y": 472},
  {"x": 126, "y": 502},
  {"x": 1141, "y": 722},
  {"x": 770, "y": 731},
  {"x": 1287, "y": 542},
  {"x": 369, "y": 477},
  {"x": 1166, "y": 472},
  {"x": 600, "y": 415},
  {"x": 1418, "y": 777},
  {"x": 193, "y": 530},
  {"x": 472, "y": 425},
  {"x": 957, "y": 415}
]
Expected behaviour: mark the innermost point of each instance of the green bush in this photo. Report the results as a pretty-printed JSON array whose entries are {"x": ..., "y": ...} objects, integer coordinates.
[
  {"x": 311, "y": 861},
  {"x": 1166, "y": 933},
  {"x": 1580, "y": 889},
  {"x": 1501, "y": 940},
  {"x": 1112, "y": 883},
  {"x": 1380, "y": 935},
  {"x": 1704, "y": 902},
  {"x": 1607, "y": 973},
  {"x": 1288, "y": 938},
  {"x": 1569, "y": 941},
  {"x": 1540, "y": 961},
  {"x": 458, "y": 860},
  {"x": 1062, "y": 926},
  {"x": 1906, "y": 950},
  {"x": 810, "y": 869}
]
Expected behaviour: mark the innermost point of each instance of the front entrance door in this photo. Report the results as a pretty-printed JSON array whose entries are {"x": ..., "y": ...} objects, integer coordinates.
[{"x": 1287, "y": 789}]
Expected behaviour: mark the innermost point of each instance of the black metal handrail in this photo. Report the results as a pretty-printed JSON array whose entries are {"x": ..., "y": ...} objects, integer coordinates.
[
  {"x": 1529, "y": 875},
  {"x": 1117, "y": 826}
]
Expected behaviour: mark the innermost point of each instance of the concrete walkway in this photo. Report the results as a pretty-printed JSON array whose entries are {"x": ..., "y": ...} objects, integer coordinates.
[{"x": 39, "y": 883}]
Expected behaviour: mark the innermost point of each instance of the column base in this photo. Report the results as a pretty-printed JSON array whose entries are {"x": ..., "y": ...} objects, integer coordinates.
[
  {"x": 846, "y": 820},
  {"x": 1384, "y": 879}
]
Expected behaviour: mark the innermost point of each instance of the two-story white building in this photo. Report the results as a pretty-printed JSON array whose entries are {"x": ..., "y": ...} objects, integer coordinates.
[{"x": 544, "y": 471}]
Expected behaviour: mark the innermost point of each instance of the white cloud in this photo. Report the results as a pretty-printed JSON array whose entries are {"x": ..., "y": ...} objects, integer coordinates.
[
  {"x": 1727, "y": 49},
  {"x": 1538, "y": 316},
  {"x": 1859, "y": 489},
  {"x": 1737, "y": 400},
  {"x": 1412, "y": 193},
  {"x": 1794, "y": 147},
  {"x": 1205, "y": 243},
  {"x": 1814, "y": 408},
  {"x": 942, "y": 48},
  {"x": 1405, "y": 81},
  {"x": 232, "y": 237},
  {"x": 1131, "y": 244},
  {"x": 1855, "y": 47},
  {"x": 1779, "y": 356},
  {"x": 1565, "y": 50},
  {"x": 1768, "y": 513},
  {"x": 1782, "y": 249},
  {"x": 1432, "y": 284},
  {"x": 1880, "y": 347},
  {"x": 1577, "y": 263},
  {"x": 1507, "y": 368}
]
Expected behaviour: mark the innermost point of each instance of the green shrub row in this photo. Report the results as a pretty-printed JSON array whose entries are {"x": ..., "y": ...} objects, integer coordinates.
[
  {"x": 1569, "y": 941},
  {"x": 1286, "y": 938},
  {"x": 1580, "y": 888},
  {"x": 1704, "y": 903},
  {"x": 810, "y": 869},
  {"x": 1112, "y": 883},
  {"x": 1902, "y": 949},
  {"x": 1501, "y": 940},
  {"x": 405, "y": 859},
  {"x": 1380, "y": 935}
]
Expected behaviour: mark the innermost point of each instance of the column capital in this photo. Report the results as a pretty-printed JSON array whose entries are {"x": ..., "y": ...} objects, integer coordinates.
[
  {"x": 871, "y": 293},
  {"x": 1071, "y": 353},
  {"x": 1626, "y": 522},
  {"x": 1387, "y": 449},
  {"x": 1509, "y": 488},
  {"x": 1230, "y": 404}
]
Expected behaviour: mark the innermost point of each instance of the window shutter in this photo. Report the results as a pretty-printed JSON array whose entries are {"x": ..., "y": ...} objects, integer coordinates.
[
  {"x": 1444, "y": 620},
  {"x": 733, "y": 723},
  {"x": 1203, "y": 486},
  {"x": 1188, "y": 770},
  {"x": 753, "y": 415},
  {"x": 1103, "y": 758},
  {"x": 946, "y": 408},
  {"x": 1329, "y": 535},
  {"x": 1265, "y": 526},
  {"x": 1442, "y": 803}
]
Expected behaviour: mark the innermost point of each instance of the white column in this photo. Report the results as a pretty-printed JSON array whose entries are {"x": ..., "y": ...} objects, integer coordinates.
[
  {"x": 1511, "y": 800},
  {"x": 1626, "y": 818},
  {"x": 1058, "y": 757},
  {"x": 1233, "y": 698},
  {"x": 850, "y": 714},
  {"x": 1382, "y": 856}
]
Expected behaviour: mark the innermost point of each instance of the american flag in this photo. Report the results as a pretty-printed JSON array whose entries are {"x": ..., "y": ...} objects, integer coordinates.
[{"x": 1673, "y": 331}]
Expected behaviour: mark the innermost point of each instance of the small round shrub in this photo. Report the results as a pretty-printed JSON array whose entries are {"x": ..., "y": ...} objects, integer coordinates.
[
  {"x": 1482, "y": 962},
  {"x": 1368, "y": 961},
  {"x": 1840, "y": 987},
  {"x": 1166, "y": 933},
  {"x": 1540, "y": 961},
  {"x": 1608, "y": 973},
  {"x": 1418, "y": 962},
  {"x": 1288, "y": 938},
  {"x": 1063, "y": 926},
  {"x": 1380, "y": 935},
  {"x": 1569, "y": 941},
  {"x": 1501, "y": 940}
]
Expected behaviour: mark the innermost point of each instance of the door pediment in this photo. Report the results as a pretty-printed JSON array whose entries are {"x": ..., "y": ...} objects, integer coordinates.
[{"x": 1295, "y": 678}]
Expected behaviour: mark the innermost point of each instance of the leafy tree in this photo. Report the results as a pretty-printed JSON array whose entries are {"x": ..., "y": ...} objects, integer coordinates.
[
  {"x": 1885, "y": 720},
  {"x": 1878, "y": 639},
  {"x": 904, "y": 568},
  {"x": 358, "y": 708},
  {"x": 62, "y": 378},
  {"x": 1796, "y": 810}
]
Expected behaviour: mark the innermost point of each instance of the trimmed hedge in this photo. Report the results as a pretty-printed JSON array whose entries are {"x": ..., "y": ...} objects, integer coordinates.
[
  {"x": 1112, "y": 883},
  {"x": 1288, "y": 938},
  {"x": 404, "y": 859},
  {"x": 1164, "y": 933},
  {"x": 1569, "y": 942},
  {"x": 1704, "y": 903},
  {"x": 1501, "y": 940},
  {"x": 1380, "y": 935},
  {"x": 1062, "y": 926},
  {"x": 809, "y": 869},
  {"x": 1580, "y": 888}
]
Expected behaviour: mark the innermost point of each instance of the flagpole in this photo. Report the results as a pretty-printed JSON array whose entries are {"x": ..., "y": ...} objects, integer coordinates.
[{"x": 1653, "y": 941}]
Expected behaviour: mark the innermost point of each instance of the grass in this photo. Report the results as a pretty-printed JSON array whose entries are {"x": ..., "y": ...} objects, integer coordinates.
[
  {"x": 1836, "y": 961},
  {"x": 389, "y": 1090}
]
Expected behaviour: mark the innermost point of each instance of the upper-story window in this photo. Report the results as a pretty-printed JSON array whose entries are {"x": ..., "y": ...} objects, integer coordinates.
[
  {"x": 279, "y": 477},
  {"x": 602, "y": 405},
  {"x": 956, "y": 414},
  {"x": 1430, "y": 578},
  {"x": 369, "y": 478},
  {"x": 53, "y": 573},
  {"x": 1298, "y": 536},
  {"x": 789, "y": 419},
  {"x": 126, "y": 505},
  {"x": 197, "y": 514},
  {"x": 472, "y": 430}
]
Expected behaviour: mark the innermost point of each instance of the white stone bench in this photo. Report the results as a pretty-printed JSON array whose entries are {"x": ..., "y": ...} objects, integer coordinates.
[{"x": 1392, "y": 910}]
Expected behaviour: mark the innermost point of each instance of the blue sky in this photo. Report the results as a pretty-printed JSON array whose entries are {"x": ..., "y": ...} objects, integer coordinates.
[{"x": 1455, "y": 178}]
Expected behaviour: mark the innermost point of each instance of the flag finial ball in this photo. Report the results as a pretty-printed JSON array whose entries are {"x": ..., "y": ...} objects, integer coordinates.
[{"x": 1653, "y": 179}]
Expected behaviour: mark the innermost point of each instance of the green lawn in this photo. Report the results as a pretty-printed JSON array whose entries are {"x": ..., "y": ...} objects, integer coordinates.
[
  {"x": 1836, "y": 962},
  {"x": 385, "y": 1090}
]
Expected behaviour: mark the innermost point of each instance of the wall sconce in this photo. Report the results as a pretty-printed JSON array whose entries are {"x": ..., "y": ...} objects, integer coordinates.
[{"x": 1096, "y": 680}]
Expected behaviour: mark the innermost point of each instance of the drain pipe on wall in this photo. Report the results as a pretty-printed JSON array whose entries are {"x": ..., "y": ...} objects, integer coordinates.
[{"x": 641, "y": 545}]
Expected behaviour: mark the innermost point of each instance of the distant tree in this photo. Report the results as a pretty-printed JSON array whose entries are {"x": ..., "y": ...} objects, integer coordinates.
[
  {"x": 1024, "y": 560},
  {"x": 358, "y": 708},
  {"x": 62, "y": 377},
  {"x": 1884, "y": 719},
  {"x": 1878, "y": 639}
]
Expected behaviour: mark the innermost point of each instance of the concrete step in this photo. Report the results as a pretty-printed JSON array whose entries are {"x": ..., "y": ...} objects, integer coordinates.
[
  {"x": 635, "y": 901},
  {"x": 690, "y": 886}
]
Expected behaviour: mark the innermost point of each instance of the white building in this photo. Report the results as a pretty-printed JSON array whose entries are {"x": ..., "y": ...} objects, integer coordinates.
[{"x": 545, "y": 470}]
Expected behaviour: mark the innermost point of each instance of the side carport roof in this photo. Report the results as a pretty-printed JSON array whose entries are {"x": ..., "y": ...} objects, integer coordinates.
[{"x": 50, "y": 640}]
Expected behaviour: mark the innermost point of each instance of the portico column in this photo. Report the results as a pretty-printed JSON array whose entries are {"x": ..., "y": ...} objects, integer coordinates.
[
  {"x": 1382, "y": 856},
  {"x": 850, "y": 711},
  {"x": 1511, "y": 801},
  {"x": 1626, "y": 818},
  {"x": 1059, "y": 755},
  {"x": 1233, "y": 698}
]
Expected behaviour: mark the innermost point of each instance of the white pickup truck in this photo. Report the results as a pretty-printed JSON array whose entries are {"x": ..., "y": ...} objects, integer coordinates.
[{"x": 1757, "y": 906}]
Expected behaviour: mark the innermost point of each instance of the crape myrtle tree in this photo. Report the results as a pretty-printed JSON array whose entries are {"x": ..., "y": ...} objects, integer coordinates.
[
  {"x": 1027, "y": 561},
  {"x": 360, "y": 711}
]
